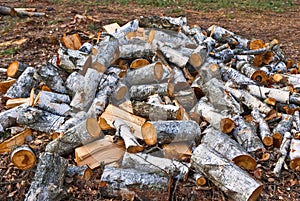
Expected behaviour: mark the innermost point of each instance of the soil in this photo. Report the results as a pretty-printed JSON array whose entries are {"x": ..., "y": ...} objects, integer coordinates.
[{"x": 43, "y": 35}]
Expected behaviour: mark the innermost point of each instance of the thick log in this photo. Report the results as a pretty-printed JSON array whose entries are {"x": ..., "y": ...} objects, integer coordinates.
[
  {"x": 107, "y": 51},
  {"x": 16, "y": 140},
  {"x": 211, "y": 115},
  {"x": 180, "y": 151},
  {"x": 124, "y": 131},
  {"x": 103, "y": 151},
  {"x": 21, "y": 88},
  {"x": 84, "y": 97},
  {"x": 198, "y": 57},
  {"x": 151, "y": 73},
  {"x": 284, "y": 149},
  {"x": 283, "y": 126},
  {"x": 83, "y": 133},
  {"x": 264, "y": 93},
  {"x": 106, "y": 88},
  {"x": 153, "y": 164},
  {"x": 164, "y": 132},
  {"x": 156, "y": 111},
  {"x": 295, "y": 154},
  {"x": 136, "y": 48},
  {"x": 74, "y": 83},
  {"x": 252, "y": 72},
  {"x": 48, "y": 180},
  {"x": 264, "y": 130},
  {"x": 15, "y": 69},
  {"x": 39, "y": 120},
  {"x": 120, "y": 91},
  {"x": 51, "y": 75},
  {"x": 229, "y": 148},
  {"x": 82, "y": 172},
  {"x": 9, "y": 117},
  {"x": 23, "y": 157},
  {"x": 142, "y": 92},
  {"x": 246, "y": 136},
  {"x": 145, "y": 186},
  {"x": 232, "y": 180},
  {"x": 174, "y": 56},
  {"x": 235, "y": 76},
  {"x": 6, "y": 84}
]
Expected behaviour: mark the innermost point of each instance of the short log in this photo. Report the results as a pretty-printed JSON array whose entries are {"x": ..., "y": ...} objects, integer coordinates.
[
  {"x": 136, "y": 48},
  {"x": 164, "y": 132},
  {"x": 15, "y": 69},
  {"x": 174, "y": 56},
  {"x": 295, "y": 154},
  {"x": 147, "y": 186},
  {"x": 283, "y": 126},
  {"x": 252, "y": 72},
  {"x": 83, "y": 133},
  {"x": 264, "y": 130},
  {"x": 48, "y": 180},
  {"x": 23, "y": 157},
  {"x": 235, "y": 76},
  {"x": 229, "y": 148},
  {"x": 198, "y": 57},
  {"x": 199, "y": 179},
  {"x": 235, "y": 182}
]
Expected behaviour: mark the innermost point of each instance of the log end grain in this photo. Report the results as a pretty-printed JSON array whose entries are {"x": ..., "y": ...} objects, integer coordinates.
[
  {"x": 93, "y": 127},
  {"x": 138, "y": 63},
  {"x": 227, "y": 125},
  {"x": 12, "y": 69},
  {"x": 256, "y": 193},
  {"x": 158, "y": 70},
  {"x": 260, "y": 77},
  {"x": 195, "y": 60},
  {"x": 121, "y": 92},
  {"x": 135, "y": 149},
  {"x": 268, "y": 141},
  {"x": 23, "y": 157},
  {"x": 295, "y": 163},
  {"x": 245, "y": 161},
  {"x": 277, "y": 139},
  {"x": 149, "y": 133}
]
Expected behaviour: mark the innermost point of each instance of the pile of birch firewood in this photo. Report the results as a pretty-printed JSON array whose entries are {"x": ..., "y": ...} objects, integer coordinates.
[{"x": 152, "y": 102}]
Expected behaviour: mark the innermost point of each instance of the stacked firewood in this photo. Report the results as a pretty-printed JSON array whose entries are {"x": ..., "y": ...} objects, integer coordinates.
[{"x": 155, "y": 101}]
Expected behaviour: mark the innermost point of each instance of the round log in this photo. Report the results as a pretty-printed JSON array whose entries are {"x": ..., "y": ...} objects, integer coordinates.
[
  {"x": 23, "y": 157},
  {"x": 283, "y": 126},
  {"x": 199, "y": 179},
  {"x": 15, "y": 69},
  {"x": 264, "y": 130}
]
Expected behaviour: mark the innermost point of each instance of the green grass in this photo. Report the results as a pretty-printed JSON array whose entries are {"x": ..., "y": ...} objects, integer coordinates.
[{"x": 10, "y": 51}]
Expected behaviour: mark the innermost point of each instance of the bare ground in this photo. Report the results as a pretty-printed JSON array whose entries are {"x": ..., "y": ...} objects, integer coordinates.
[{"x": 43, "y": 34}]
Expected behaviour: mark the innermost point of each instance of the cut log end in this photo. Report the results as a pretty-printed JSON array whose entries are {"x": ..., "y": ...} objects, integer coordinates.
[
  {"x": 254, "y": 196},
  {"x": 12, "y": 69},
  {"x": 268, "y": 141},
  {"x": 245, "y": 161},
  {"x": 23, "y": 158},
  {"x": 135, "y": 149},
  {"x": 295, "y": 164},
  {"x": 195, "y": 60},
  {"x": 138, "y": 63},
  {"x": 227, "y": 125},
  {"x": 277, "y": 139},
  {"x": 149, "y": 134},
  {"x": 158, "y": 70},
  {"x": 93, "y": 127},
  {"x": 121, "y": 92},
  {"x": 260, "y": 76}
]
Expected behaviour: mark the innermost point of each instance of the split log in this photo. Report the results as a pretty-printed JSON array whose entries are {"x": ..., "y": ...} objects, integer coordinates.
[
  {"x": 5, "y": 85},
  {"x": 103, "y": 151},
  {"x": 124, "y": 131},
  {"x": 9, "y": 117},
  {"x": 84, "y": 97},
  {"x": 146, "y": 186},
  {"x": 51, "y": 75},
  {"x": 4, "y": 10},
  {"x": 178, "y": 151},
  {"x": 138, "y": 63},
  {"x": 111, "y": 28},
  {"x": 21, "y": 88},
  {"x": 252, "y": 72},
  {"x": 264, "y": 130},
  {"x": 284, "y": 149},
  {"x": 156, "y": 111},
  {"x": 71, "y": 41},
  {"x": 23, "y": 157},
  {"x": 197, "y": 87},
  {"x": 199, "y": 178},
  {"x": 152, "y": 164},
  {"x": 39, "y": 120},
  {"x": 142, "y": 92},
  {"x": 82, "y": 172},
  {"x": 113, "y": 113},
  {"x": 74, "y": 83},
  {"x": 246, "y": 136},
  {"x": 48, "y": 180},
  {"x": 229, "y": 148},
  {"x": 283, "y": 126},
  {"x": 16, "y": 140},
  {"x": 151, "y": 73},
  {"x": 15, "y": 69},
  {"x": 107, "y": 51},
  {"x": 216, "y": 119},
  {"x": 121, "y": 32},
  {"x": 263, "y": 93},
  {"x": 164, "y": 132},
  {"x": 295, "y": 154},
  {"x": 83, "y": 133},
  {"x": 14, "y": 102},
  {"x": 106, "y": 88},
  {"x": 233, "y": 181}
]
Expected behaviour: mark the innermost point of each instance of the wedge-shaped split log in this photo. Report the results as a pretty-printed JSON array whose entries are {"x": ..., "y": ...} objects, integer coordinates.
[
  {"x": 229, "y": 148},
  {"x": 235, "y": 182},
  {"x": 180, "y": 151},
  {"x": 103, "y": 151},
  {"x": 283, "y": 126},
  {"x": 264, "y": 130},
  {"x": 6, "y": 84},
  {"x": 49, "y": 177},
  {"x": 16, "y": 140},
  {"x": 146, "y": 186},
  {"x": 164, "y": 132},
  {"x": 153, "y": 164},
  {"x": 83, "y": 133},
  {"x": 21, "y": 88},
  {"x": 295, "y": 154},
  {"x": 23, "y": 157}
]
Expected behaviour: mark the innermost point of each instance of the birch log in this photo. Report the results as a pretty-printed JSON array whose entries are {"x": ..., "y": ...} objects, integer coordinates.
[
  {"x": 116, "y": 182},
  {"x": 264, "y": 92},
  {"x": 295, "y": 154},
  {"x": 82, "y": 172},
  {"x": 21, "y": 88},
  {"x": 235, "y": 76},
  {"x": 264, "y": 130},
  {"x": 229, "y": 148},
  {"x": 15, "y": 69},
  {"x": 164, "y": 132},
  {"x": 283, "y": 126},
  {"x": 48, "y": 180},
  {"x": 199, "y": 179},
  {"x": 246, "y": 136},
  {"x": 284, "y": 149},
  {"x": 235, "y": 182},
  {"x": 174, "y": 56},
  {"x": 74, "y": 83},
  {"x": 136, "y": 48},
  {"x": 83, "y": 133},
  {"x": 72, "y": 122},
  {"x": 252, "y": 72},
  {"x": 198, "y": 57}
]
